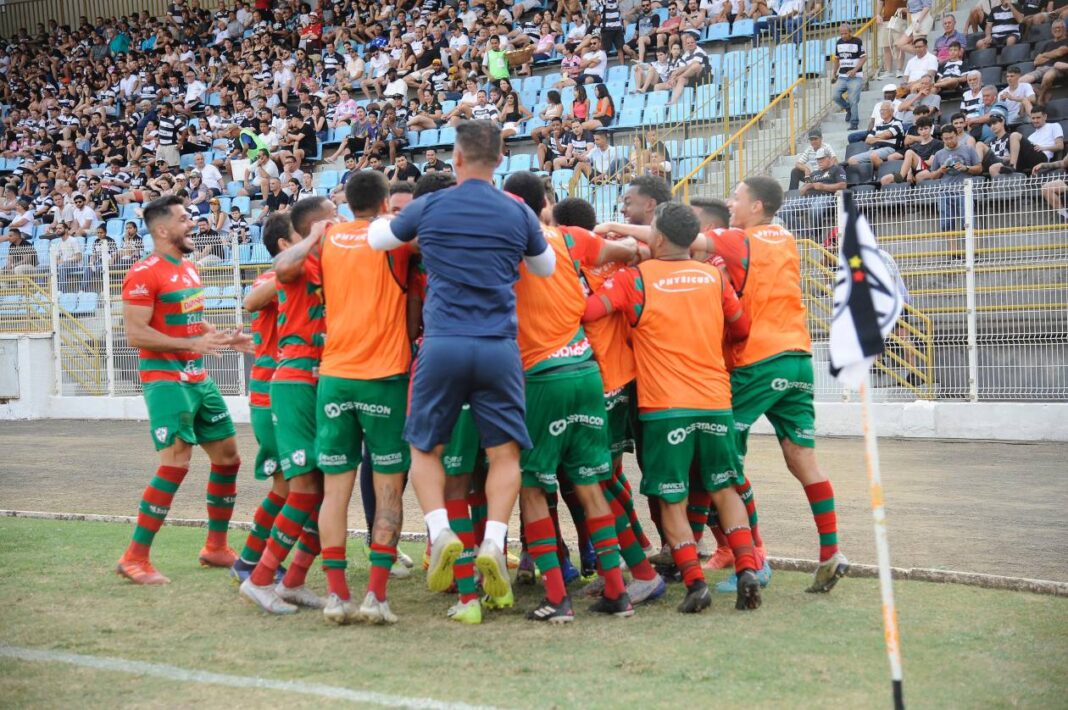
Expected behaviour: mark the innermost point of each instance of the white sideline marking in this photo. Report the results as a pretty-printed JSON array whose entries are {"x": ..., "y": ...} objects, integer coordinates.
[{"x": 181, "y": 675}]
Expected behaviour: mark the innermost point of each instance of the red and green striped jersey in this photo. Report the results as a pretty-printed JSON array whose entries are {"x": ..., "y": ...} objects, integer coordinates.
[
  {"x": 265, "y": 338},
  {"x": 301, "y": 325},
  {"x": 171, "y": 288}
]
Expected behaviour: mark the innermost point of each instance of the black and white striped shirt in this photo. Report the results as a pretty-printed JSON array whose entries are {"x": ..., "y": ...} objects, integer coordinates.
[
  {"x": 969, "y": 103},
  {"x": 897, "y": 133},
  {"x": 611, "y": 17},
  {"x": 1004, "y": 23},
  {"x": 697, "y": 55},
  {"x": 849, "y": 52},
  {"x": 168, "y": 129}
]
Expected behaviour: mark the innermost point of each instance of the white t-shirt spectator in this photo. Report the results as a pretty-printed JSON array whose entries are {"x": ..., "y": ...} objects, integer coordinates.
[
  {"x": 69, "y": 251},
  {"x": 1046, "y": 136},
  {"x": 1023, "y": 91},
  {"x": 916, "y": 67},
  {"x": 210, "y": 177},
  {"x": 194, "y": 92},
  {"x": 597, "y": 69},
  {"x": 457, "y": 43},
  {"x": 601, "y": 160},
  {"x": 83, "y": 218},
  {"x": 397, "y": 86}
]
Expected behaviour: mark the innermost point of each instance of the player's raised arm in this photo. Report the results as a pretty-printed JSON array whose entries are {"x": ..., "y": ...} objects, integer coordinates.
[
  {"x": 262, "y": 295},
  {"x": 142, "y": 335},
  {"x": 289, "y": 265},
  {"x": 394, "y": 231}
]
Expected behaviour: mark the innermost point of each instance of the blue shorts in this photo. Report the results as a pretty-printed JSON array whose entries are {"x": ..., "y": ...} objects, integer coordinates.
[{"x": 451, "y": 371}]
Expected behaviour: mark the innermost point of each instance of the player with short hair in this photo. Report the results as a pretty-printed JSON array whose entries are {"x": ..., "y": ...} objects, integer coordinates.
[
  {"x": 679, "y": 310},
  {"x": 163, "y": 308},
  {"x": 772, "y": 369},
  {"x": 363, "y": 390},
  {"x": 301, "y": 335}
]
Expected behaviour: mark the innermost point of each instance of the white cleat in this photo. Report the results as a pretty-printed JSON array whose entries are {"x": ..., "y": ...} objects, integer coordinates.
[
  {"x": 339, "y": 611},
  {"x": 493, "y": 566},
  {"x": 405, "y": 559},
  {"x": 300, "y": 596},
  {"x": 399, "y": 570},
  {"x": 443, "y": 553},
  {"x": 265, "y": 598},
  {"x": 373, "y": 611}
]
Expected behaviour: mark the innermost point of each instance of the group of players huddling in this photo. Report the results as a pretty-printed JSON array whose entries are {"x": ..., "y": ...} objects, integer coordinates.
[{"x": 489, "y": 345}]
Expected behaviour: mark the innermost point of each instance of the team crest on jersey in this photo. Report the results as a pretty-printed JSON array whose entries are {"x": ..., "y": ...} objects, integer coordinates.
[
  {"x": 139, "y": 290},
  {"x": 299, "y": 457},
  {"x": 683, "y": 281},
  {"x": 161, "y": 434},
  {"x": 270, "y": 466}
]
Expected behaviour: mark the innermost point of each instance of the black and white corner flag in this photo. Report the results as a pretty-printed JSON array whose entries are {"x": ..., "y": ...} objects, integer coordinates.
[{"x": 867, "y": 300}]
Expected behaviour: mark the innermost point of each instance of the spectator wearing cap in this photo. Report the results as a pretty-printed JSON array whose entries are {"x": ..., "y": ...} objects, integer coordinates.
[
  {"x": 1008, "y": 151},
  {"x": 217, "y": 219},
  {"x": 884, "y": 139},
  {"x": 1018, "y": 97},
  {"x": 1051, "y": 62},
  {"x": 889, "y": 94},
  {"x": 818, "y": 189},
  {"x": 21, "y": 256},
  {"x": 806, "y": 163}
]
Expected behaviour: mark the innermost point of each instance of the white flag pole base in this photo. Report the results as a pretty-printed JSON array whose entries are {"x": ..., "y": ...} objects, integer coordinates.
[{"x": 882, "y": 547}]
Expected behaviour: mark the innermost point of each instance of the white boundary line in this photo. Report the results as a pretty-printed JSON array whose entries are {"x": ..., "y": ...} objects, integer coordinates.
[
  {"x": 182, "y": 675},
  {"x": 916, "y": 574}
]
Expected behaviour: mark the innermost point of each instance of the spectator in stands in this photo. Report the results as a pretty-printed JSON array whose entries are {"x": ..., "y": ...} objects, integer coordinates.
[
  {"x": 604, "y": 110},
  {"x": 1002, "y": 26},
  {"x": 275, "y": 200},
  {"x": 434, "y": 164},
  {"x": 920, "y": 21},
  {"x": 403, "y": 171},
  {"x": 512, "y": 114},
  {"x": 922, "y": 64},
  {"x": 892, "y": 21},
  {"x": 694, "y": 68},
  {"x": 1054, "y": 192},
  {"x": 237, "y": 227},
  {"x": 70, "y": 260},
  {"x": 951, "y": 77},
  {"x": 103, "y": 247},
  {"x": 977, "y": 121},
  {"x": 1018, "y": 97},
  {"x": 951, "y": 165},
  {"x": 217, "y": 219},
  {"x": 950, "y": 34},
  {"x": 923, "y": 95},
  {"x": 884, "y": 139},
  {"x": 889, "y": 94},
  {"x": 83, "y": 218},
  {"x": 207, "y": 245},
  {"x": 132, "y": 249},
  {"x": 973, "y": 95},
  {"x": 847, "y": 66},
  {"x": 594, "y": 63},
  {"x": 613, "y": 27},
  {"x": 818, "y": 189},
  {"x": 603, "y": 162},
  {"x": 1047, "y": 137},
  {"x": 977, "y": 17},
  {"x": 23, "y": 216},
  {"x": 210, "y": 176},
  {"x": 1036, "y": 12},
  {"x": 576, "y": 150},
  {"x": 647, "y": 76},
  {"x": 646, "y": 22},
  {"x": 918, "y": 154},
  {"x": 1051, "y": 62},
  {"x": 806, "y": 163},
  {"x": 1009, "y": 151},
  {"x": 21, "y": 256},
  {"x": 553, "y": 145}
]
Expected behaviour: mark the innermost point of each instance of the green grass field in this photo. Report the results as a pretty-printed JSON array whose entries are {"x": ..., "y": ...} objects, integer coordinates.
[{"x": 962, "y": 646}]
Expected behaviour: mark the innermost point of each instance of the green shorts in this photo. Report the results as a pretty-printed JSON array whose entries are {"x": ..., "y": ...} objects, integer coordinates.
[
  {"x": 781, "y": 388},
  {"x": 267, "y": 454},
  {"x": 620, "y": 432},
  {"x": 293, "y": 412},
  {"x": 350, "y": 411},
  {"x": 191, "y": 411},
  {"x": 680, "y": 441},
  {"x": 461, "y": 453},
  {"x": 568, "y": 426}
]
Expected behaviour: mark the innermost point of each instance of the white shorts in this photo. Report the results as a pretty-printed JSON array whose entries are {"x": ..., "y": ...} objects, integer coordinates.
[{"x": 920, "y": 28}]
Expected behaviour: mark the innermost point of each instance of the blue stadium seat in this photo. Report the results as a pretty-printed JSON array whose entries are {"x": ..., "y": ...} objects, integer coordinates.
[
  {"x": 129, "y": 211},
  {"x": 259, "y": 255},
  {"x": 657, "y": 98},
  {"x": 186, "y": 161},
  {"x": 224, "y": 203},
  {"x": 719, "y": 32},
  {"x": 629, "y": 118},
  {"x": 3, "y": 253},
  {"x": 694, "y": 147},
  {"x": 244, "y": 254},
  {"x": 605, "y": 200},
  {"x": 242, "y": 202},
  {"x": 329, "y": 179},
  {"x": 742, "y": 29},
  {"x": 617, "y": 74},
  {"x": 529, "y": 98},
  {"x": 814, "y": 57},
  {"x": 786, "y": 66},
  {"x": 114, "y": 228},
  {"x": 255, "y": 233},
  {"x": 233, "y": 186},
  {"x": 446, "y": 136},
  {"x": 68, "y": 302},
  {"x": 519, "y": 162},
  {"x": 631, "y": 101},
  {"x": 344, "y": 210}
]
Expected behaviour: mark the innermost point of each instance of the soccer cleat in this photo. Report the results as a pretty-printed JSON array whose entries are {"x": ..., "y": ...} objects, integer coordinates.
[
  {"x": 697, "y": 599},
  {"x": 748, "y": 591},
  {"x": 140, "y": 572},
  {"x": 405, "y": 559},
  {"x": 662, "y": 558},
  {"x": 588, "y": 561},
  {"x": 339, "y": 611},
  {"x": 265, "y": 598},
  {"x": 443, "y": 554},
  {"x": 527, "y": 571},
  {"x": 373, "y": 611},
  {"x": 620, "y": 606},
  {"x": 730, "y": 584},
  {"x": 299, "y": 596},
  {"x": 704, "y": 547},
  {"x": 828, "y": 573},
  {"x": 497, "y": 603},
  {"x": 466, "y": 612},
  {"x": 513, "y": 561},
  {"x": 594, "y": 588},
  {"x": 569, "y": 571},
  {"x": 493, "y": 567},
  {"x": 722, "y": 558},
  {"x": 761, "y": 554},
  {"x": 561, "y": 613},
  {"x": 399, "y": 570},
  {"x": 217, "y": 557},
  {"x": 241, "y": 570},
  {"x": 646, "y": 590}
]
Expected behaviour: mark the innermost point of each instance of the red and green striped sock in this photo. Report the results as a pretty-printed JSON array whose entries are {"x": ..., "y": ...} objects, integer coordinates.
[
  {"x": 308, "y": 548},
  {"x": 334, "y": 565},
  {"x": 606, "y": 545},
  {"x": 155, "y": 504},
  {"x": 697, "y": 508},
  {"x": 287, "y": 529},
  {"x": 741, "y": 542},
  {"x": 222, "y": 492},
  {"x": 382, "y": 559},
  {"x": 541, "y": 542},
  {"x": 629, "y": 547},
  {"x": 685, "y": 556},
  {"x": 262, "y": 521},
  {"x": 745, "y": 490},
  {"x": 479, "y": 508},
  {"x": 464, "y": 567},
  {"x": 821, "y": 500}
]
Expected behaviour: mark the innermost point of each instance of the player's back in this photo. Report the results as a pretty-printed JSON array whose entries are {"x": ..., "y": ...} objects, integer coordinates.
[
  {"x": 550, "y": 312},
  {"x": 172, "y": 288},
  {"x": 472, "y": 238},
  {"x": 772, "y": 298},
  {"x": 264, "y": 327},
  {"x": 678, "y": 337},
  {"x": 365, "y": 295},
  {"x": 301, "y": 326}
]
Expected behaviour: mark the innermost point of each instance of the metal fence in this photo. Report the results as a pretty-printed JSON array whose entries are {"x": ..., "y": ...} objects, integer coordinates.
[{"x": 986, "y": 267}]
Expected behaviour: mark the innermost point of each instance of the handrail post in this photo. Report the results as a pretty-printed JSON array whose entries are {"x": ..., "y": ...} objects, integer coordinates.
[
  {"x": 969, "y": 290},
  {"x": 109, "y": 335},
  {"x": 57, "y": 338}
]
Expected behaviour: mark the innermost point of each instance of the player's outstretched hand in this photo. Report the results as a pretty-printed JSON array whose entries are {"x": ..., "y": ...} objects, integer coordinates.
[
  {"x": 241, "y": 342},
  {"x": 211, "y": 342}
]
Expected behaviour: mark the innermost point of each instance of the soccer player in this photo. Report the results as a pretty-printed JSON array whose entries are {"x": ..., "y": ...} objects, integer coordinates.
[
  {"x": 472, "y": 238},
  {"x": 301, "y": 331},
  {"x": 772, "y": 368},
  {"x": 363, "y": 390},
  {"x": 163, "y": 306},
  {"x": 262, "y": 302},
  {"x": 679, "y": 311}
]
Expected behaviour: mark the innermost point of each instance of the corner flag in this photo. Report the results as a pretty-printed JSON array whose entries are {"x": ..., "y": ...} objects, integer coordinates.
[{"x": 867, "y": 300}]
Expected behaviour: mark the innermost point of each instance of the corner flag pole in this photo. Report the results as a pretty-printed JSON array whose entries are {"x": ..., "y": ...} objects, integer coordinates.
[{"x": 882, "y": 547}]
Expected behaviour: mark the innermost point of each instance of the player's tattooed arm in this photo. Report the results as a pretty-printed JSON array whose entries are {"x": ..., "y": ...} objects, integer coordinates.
[{"x": 289, "y": 265}]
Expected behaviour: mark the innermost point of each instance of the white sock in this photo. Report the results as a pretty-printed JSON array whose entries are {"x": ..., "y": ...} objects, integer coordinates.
[
  {"x": 437, "y": 522},
  {"x": 496, "y": 532}
]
